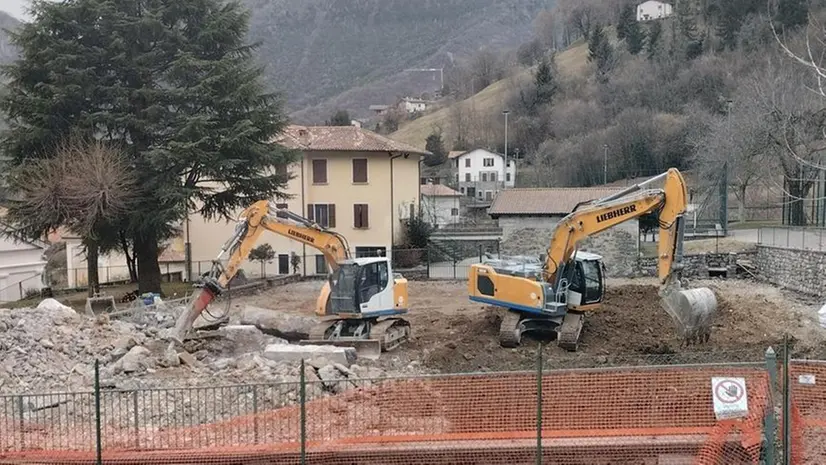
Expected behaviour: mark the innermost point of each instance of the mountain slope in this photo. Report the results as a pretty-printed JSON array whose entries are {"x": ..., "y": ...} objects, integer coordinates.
[
  {"x": 315, "y": 50},
  {"x": 489, "y": 102}
]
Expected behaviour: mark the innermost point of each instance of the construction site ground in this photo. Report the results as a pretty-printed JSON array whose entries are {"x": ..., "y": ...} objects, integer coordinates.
[{"x": 452, "y": 334}]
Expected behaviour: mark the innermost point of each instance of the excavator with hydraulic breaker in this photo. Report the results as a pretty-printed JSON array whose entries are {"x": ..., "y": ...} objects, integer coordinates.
[
  {"x": 552, "y": 295},
  {"x": 361, "y": 304}
]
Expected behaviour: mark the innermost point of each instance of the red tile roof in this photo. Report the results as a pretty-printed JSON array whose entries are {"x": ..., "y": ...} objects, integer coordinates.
[
  {"x": 544, "y": 201},
  {"x": 341, "y": 139},
  {"x": 438, "y": 190}
]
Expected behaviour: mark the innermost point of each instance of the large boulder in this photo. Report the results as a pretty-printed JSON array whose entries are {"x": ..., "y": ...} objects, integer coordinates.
[
  {"x": 285, "y": 325},
  {"x": 137, "y": 359}
]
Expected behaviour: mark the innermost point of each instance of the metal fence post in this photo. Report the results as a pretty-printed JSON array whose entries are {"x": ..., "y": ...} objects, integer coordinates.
[
  {"x": 539, "y": 405},
  {"x": 22, "y": 424},
  {"x": 98, "y": 439},
  {"x": 427, "y": 254},
  {"x": 302, "y": 392},
  {"x": 255, "y": 411},
  {"x": 787, "y": 404},
  {"x": 135, "y": 414},
  {"x": 771, "y": 426}
]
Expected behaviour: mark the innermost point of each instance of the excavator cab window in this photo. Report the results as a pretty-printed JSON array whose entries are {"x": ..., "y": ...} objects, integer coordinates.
[
  {"x": 343, "y": 285},
  {"x": 593, "y": 281}
]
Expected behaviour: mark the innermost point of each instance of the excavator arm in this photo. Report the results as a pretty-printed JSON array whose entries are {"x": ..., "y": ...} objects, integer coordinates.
[
  {"x": 591, "y": 218},
  {"x": 253, "y": 221},
  {"x": 691, "y": 309}
]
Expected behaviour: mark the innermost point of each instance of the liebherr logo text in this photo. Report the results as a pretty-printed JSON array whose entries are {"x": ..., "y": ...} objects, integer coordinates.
[
  {"x": 303, "y": 237},
  {"x": 616, "y": 213}
]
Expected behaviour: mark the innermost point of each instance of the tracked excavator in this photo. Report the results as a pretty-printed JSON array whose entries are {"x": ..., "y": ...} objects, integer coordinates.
[
  {"x": 552, "y": 296},
  {"x": 361, "y": 304}
]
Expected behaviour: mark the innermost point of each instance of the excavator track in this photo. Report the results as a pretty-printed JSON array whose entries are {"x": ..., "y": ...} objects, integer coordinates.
[
  {"x": 569, "y": 331},
  {"x": 319, "y": 331},
  {"x": 510, "y": 331},
  {"x": 391, "y": 333}
]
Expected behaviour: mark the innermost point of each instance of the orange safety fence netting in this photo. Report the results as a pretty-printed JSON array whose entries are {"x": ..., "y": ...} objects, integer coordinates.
[
  {"x": 646, "y": 415},
  {"x": 807, "y": 386}
]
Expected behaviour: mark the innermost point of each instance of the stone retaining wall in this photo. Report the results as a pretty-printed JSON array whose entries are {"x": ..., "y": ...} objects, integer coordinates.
[
  {"x": 800, "y": 270},
  {"x": 698, "y": 266}
]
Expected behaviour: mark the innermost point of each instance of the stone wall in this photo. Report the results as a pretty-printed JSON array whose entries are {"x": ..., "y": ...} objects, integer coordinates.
[
  {"x": 800, "y": 270},
  {"x": 619, "y": 246},
  {"x": 697, "y": 266}
]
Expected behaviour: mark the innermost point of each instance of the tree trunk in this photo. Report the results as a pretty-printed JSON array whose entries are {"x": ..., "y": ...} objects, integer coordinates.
[
  {"x": 92, "y": 253},
  {"x": 149, "y": 271},
  {"x": 742, "y": 208},
  {"x": 130, "y": 258},
  {"x": 798, "y": 190}
]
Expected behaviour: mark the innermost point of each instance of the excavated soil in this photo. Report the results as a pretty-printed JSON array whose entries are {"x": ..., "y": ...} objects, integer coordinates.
[{"x": 452, "y": 334}]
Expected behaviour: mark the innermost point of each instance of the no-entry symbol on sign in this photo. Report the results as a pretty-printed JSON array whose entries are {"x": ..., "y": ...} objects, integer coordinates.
[{"x": 730, "y": 397}]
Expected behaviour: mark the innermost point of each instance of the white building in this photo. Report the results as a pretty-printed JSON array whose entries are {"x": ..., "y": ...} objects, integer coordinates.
[
  {"x": 441, "y": 205},
  {"x": 21, "y": 266},
  {"x": 480, "y": 173},
  {"x": 653, "y": 9},
  {"x": 413, "y": 105}
]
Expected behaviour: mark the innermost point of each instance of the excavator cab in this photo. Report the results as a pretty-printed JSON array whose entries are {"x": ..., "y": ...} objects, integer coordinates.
[
  {"x": 588, "y": 282},
  {"x": 360, "y": 286}
]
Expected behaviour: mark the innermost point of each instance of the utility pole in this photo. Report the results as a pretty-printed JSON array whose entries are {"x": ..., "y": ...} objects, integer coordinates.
[
  {"x": 605, "y": 165},
  {"x": 505, "y": 112}
]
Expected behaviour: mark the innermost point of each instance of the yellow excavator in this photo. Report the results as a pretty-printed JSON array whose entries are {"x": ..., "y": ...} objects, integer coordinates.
[
  {"x": 552, "y": 295},
  {"x": 360, "y": 304}
]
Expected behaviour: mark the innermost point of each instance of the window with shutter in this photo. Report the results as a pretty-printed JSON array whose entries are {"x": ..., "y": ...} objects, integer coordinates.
[
  {"x": 359, "y": 170},
  {"x": 360, "y": 217},
  {"x": 493, "y": 176},
  {"x": 323, "y": 214},
  {"x": 319, "y": 171},
  {"x": 467, "y": 162},
  {"x": 467, "y": 177},
  {"x": 484, "y": 177}
]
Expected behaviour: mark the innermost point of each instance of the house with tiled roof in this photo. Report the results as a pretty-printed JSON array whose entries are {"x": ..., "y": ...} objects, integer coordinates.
[
  {"x": 528, "y": 218},
  {"x": 349, "y": 179},
  {"x": 441, "y": 205}
]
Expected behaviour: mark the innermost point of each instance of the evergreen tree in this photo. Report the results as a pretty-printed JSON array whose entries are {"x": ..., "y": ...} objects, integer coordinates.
[
  {"x": 792, "y": 13},
  {"x": 545, "y": 82},
  {"x": 655, "y": 32},
  {"x": 690, "y": 38},
  {"x": 174, "y": 83},
  {"x": 436, "y": 146},
  {"x": 635, "y": 38},
  {"x": 627, "y": 18},
  {"x": 340, "y": 118},
  {"x": 600, "y": 52}
]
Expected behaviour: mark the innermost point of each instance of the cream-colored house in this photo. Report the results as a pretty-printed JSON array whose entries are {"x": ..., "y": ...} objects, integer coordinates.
[
  {"x": 352, "y": 180},
  {"x": 21, "y": 265}
]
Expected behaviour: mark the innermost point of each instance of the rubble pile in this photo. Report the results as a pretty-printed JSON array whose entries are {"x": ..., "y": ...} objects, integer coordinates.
[{"x": 53, "y": 348}]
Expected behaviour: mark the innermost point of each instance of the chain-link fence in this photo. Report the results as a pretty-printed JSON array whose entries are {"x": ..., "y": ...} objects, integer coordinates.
[
  {"x": 659, "y": 408},
  {"x": 793, "y": 238}
]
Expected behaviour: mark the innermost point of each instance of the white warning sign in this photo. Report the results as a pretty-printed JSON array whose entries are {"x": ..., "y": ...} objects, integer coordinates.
[{"x": 730, "y": 398}]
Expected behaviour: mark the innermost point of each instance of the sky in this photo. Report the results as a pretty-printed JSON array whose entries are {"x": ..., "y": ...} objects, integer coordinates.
[{"x": 15, "y": 8}]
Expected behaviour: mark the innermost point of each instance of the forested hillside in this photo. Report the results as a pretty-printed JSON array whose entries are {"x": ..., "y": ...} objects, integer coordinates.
[
  {"x": 315, "y": 50},
  {"x": 709, "y": 89}
]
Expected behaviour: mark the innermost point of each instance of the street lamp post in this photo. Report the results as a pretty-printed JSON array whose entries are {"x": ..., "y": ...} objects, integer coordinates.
[{"x": 505, "y": 112}]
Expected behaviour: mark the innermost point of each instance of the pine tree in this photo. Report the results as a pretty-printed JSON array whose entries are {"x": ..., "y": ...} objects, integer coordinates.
[
  {"x": 545, "y": 82},
  {"x": 792, "y": 13},
  {"x": 655, "y": 32},
  {"x": 600, "y": 52},
  {"x": 175, "y": 83},
  {"x": 436, "y": 146},
  {"x": 635, "y": 38},
  {"x": 340, "y": 118},
  {"x": 627, "y": 18}
]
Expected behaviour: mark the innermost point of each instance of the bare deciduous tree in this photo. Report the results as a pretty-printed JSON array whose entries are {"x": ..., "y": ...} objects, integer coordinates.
[{"x": 86, "y": 187}]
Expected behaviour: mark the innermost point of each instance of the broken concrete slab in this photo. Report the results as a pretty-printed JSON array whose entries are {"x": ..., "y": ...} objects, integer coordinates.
[
  {"x": 285, "y": 325},
  {"x": 343, "y": 355}
]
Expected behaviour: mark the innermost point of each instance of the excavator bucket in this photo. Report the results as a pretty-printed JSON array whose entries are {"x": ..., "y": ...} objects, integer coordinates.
[
  {"x": 100, "y": 304},
  {"x": 692, "y": 311},
  {"x": 365, "y": 348}
]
